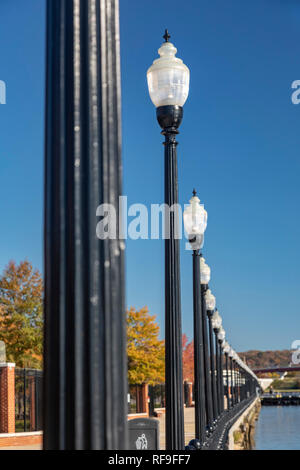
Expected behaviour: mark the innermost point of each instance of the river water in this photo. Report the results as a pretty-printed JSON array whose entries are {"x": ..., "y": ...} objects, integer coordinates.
[{"x": 278, "y": 428}]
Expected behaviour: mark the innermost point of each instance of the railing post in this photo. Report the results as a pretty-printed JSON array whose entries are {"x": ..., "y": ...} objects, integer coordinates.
[{"x": 85, "y": 385}]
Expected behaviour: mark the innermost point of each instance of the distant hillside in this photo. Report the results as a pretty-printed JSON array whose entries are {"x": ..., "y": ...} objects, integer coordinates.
[{"x": 260, "y": 359}]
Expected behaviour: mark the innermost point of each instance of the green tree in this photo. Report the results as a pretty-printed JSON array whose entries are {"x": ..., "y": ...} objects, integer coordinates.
[
  {"x": 146, "y": 353},
  {"x": 21, "y": 314}
]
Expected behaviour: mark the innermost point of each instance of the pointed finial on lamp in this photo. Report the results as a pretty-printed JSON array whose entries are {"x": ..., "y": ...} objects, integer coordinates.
[{"x": 166, "y": 36}]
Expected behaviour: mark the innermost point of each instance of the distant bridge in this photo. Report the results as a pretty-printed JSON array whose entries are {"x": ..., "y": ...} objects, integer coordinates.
[{"x": 277, "y": 369}]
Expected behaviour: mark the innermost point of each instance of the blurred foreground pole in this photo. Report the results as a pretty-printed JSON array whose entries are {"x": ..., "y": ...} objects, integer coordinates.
[{"x": 85, "y": 384}]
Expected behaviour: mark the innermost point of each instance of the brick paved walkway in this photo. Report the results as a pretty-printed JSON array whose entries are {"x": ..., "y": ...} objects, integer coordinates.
[{"x": 189, "y": 427}]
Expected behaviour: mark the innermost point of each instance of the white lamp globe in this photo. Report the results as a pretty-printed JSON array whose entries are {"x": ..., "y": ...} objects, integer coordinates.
[
  {"x": 221, "y": 334},
  {"x": 210, "y": 300},
  {"x": 226, "y": 348},
  {"x": 231, "y": 353},
  {"x": 216, "y": 320},
  {"x": 195, "y": 218},
  {"x": 204, "y": 272},
  {"x": 168, "y": 78}
]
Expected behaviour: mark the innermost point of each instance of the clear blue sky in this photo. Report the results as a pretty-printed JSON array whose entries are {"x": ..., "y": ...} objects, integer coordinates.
[{"x": 239, "y": 146}]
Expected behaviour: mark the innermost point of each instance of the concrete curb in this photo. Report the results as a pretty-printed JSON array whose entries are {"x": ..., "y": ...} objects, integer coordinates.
[{"x": 238, "y": 422}]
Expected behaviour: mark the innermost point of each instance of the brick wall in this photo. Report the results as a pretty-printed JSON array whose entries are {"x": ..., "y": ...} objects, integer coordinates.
[{"x": 7, "y": 398}]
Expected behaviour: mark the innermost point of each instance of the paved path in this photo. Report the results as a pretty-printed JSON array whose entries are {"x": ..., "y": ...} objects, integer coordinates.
[
  {"x": 189, "y": 427},
  {"x": 33, "y": 447}
]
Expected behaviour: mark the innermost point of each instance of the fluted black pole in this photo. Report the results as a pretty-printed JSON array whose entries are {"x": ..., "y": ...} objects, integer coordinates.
[
  {"x": 221, "y": 377},
  {"x": 234, "y": 378},
  {"x": 208, "y": 389},
  {"x": 235, "y": 383},
  {"x": 212, "y": 366},
  {"x": 169, "y": 118},
  {"x": 198, "y": 352},
  {"x": 242, "y": 383},
  {"x": 227, "y": 380},
  {"x": 85, "y": 385},
  {"x": 238, "y": 384},
  {"x": 232, "y": 386},
  {"x": 217, "y": 371}
]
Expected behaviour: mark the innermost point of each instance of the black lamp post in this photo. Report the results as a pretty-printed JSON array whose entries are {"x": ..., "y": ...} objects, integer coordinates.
[
  {"x": 221, "y": 338},
  {"x": 218, "y": 375},
  {"x": 227, "y": 380},
  {"x": 238, "y": 382},
  {"x": 205, "y": 278},
  {"x": 212, "y": 367},
  {"x": 211, "y": 304},
  {"x": 168, "y": 83},
  {"x": 217, "y": 324},
  {"x": 242, "y": 384},
  {"x": 195, "y": 221},
  {"x": 198, "y": 353},
  {"x": 85, "y": 373},
  {"x": 226, "y": 350},
  {"x": 231, "y": 373},
  {"x": 222, "y": 374},
  {"x": 235, "y": 381}
]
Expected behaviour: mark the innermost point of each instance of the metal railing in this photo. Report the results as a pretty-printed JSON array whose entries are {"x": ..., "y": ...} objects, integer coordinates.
[
  {"x": 234, "y": 387},
  {"x": 28, "y": 400}
]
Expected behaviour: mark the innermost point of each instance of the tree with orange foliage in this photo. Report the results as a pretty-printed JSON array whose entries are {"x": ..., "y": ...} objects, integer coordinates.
[
  {"x": 187, "y": 359},
  {"x": 21, "y": 314},
  {"x": 146, "y": 353}
]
